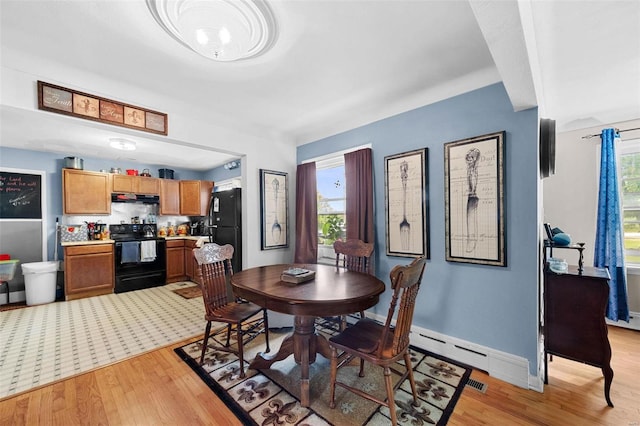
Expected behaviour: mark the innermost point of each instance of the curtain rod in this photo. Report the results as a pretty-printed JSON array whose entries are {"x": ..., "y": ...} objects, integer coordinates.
[{"x": 617, "y": 131}]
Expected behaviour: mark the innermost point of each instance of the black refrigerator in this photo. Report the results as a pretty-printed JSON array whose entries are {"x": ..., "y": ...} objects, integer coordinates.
[{"x": 224, "y": 222}]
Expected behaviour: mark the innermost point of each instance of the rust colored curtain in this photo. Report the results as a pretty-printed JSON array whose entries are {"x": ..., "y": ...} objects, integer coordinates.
[
  {"x": 306, "y": 214},
  {"x": 358, "y": 170}
]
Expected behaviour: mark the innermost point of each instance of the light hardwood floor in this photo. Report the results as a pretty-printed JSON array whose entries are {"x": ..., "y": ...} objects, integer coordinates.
[{"x": 157, "y": 388}]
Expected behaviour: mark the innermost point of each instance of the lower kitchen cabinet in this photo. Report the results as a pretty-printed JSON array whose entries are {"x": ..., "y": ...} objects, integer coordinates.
[
  {"x": 190, "y": 261},
  {"x": 176, "y": 270},
  {"x": 89, "y": 270}
]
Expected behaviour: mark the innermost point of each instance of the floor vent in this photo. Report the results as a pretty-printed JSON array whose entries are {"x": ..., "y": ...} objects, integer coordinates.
[{"x": 479, "y": 386}]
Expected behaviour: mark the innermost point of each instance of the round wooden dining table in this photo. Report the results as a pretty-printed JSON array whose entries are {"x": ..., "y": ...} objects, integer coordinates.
[{"x": 333, "y": 292}]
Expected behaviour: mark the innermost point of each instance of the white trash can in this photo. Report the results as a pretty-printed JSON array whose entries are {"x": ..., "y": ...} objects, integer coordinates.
[{"x": 40, "y": 282}]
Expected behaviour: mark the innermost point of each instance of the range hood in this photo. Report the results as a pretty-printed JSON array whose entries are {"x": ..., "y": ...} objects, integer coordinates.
[{"x": 135, "y": 198}]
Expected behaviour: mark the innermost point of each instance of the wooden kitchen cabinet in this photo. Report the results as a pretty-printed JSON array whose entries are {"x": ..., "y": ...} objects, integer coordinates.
[
  {"x": 88, "y": 270},
  {"x": 176, "y": 270},
  {"x": 575, "y": 304},
  {"x": 206, "y": 188},
  {"x": 190, "y": 261},
  {"x": 194, "y": 197},
  {"x": 85, "y": 192},
  {"x": 169, "y": 197},
  {"x": 148, "y": 185},
  {"x": 135, "y": 184},
  {"x": 122, "y": 183}
]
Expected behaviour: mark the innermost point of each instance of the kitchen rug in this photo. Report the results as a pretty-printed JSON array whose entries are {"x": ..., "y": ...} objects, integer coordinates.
[
  {"x": 46, "y": 343},
  {"x": 190, "y": 292},
  {"x": 271, "y": 396}
]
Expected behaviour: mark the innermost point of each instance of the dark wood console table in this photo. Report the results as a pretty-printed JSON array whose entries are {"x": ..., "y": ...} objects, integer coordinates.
[{"x": 575, "y": 304}]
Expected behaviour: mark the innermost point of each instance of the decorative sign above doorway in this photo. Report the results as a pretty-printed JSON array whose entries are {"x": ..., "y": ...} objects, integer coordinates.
[{"x": 61, "y": 100}]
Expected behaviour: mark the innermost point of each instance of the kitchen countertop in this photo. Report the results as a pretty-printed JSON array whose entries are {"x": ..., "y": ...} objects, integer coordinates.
[
  {"x": 187, "y": 237},
  {"x": 85, "y": 243},
  {"x": 109, "y": 241},
  {"x": 199, "y": 240}
]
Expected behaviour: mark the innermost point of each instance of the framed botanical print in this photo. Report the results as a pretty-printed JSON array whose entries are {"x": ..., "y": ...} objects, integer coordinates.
[
  {"x": 274, "y": 211},
  {"x": 406, "y": 204},
  {"x": 474, "y": 200}
]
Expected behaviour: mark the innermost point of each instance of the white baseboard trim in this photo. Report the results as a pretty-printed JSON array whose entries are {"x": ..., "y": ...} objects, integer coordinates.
[
  {"x": 501, "y": 365},
  {"x": 634, "y": 321}
]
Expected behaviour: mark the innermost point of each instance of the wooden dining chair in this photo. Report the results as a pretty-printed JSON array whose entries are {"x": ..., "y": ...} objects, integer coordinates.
[
  {"x": 214, "y": 269},
  {"x": 353, "y": 255},
  {"x": 380, "y": 344}
]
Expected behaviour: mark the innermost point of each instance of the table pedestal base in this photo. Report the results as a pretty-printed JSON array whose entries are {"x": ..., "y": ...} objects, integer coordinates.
[{"x": 304, "y": 344}]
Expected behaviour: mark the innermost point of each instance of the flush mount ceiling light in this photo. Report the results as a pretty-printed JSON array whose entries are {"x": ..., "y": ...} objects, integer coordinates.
[
  {"x": 222, "y": 30},
  {"x": 232, "y": 165},
  {"x": 123, "y": 144}
]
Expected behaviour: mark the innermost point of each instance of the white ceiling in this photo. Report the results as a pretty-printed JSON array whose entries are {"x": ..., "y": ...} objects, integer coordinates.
[{"x": 336, "y": 65}]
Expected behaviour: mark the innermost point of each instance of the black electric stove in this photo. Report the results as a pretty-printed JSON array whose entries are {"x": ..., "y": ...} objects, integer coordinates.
[
  {"x": 133, "y": 231},
  {"x": 140, "y": 256}
]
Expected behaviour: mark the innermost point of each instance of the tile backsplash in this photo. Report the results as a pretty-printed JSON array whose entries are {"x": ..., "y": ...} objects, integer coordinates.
[{"x": 124, "y": 212}]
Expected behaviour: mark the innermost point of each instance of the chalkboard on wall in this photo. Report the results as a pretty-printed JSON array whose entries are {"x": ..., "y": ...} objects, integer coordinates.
[{"x": 20, "y": 195}]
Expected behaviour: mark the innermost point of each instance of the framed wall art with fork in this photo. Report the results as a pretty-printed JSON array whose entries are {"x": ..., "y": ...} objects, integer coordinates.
[
  {"x": 474, "y": 200},
  {"x": 274, "y": 209},
  {"x": 407, "y": 203}
]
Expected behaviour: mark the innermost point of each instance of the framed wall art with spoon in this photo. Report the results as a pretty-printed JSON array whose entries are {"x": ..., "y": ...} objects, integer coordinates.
[{"x": 474, "y": 200}]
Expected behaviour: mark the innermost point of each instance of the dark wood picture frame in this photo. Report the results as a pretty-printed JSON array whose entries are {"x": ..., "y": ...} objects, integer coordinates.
[
  {"x": 62, "y": 100},
  {"x": 407, "y": 204},
  {"x": 474, "y": 171},
  {"x": 274, "y": 209}
]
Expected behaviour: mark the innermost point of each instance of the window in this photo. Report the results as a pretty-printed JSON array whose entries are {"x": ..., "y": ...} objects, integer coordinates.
[
  {"x": 629, "y": 176},
  {"x": 332, "y": 197},
  {"x": 330, "y": 182}
]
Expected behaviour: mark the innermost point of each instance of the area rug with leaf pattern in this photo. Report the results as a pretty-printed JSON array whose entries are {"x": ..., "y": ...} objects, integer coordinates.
[{"x": 272, "y": 396}]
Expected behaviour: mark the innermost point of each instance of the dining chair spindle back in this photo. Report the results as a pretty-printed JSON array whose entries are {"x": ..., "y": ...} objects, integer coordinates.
[
  {"x": 353, "y": 255},
  {"x": 214, "y": 270},
  {"x": 380, "y": 344}
]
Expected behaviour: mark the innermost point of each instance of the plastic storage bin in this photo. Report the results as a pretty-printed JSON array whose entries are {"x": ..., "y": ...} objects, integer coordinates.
[
  {"x": 8, "y": 269},
  {"x": 40, "y": 282}
]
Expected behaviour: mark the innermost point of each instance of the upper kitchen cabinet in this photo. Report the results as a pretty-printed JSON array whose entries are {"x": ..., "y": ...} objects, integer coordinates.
[
  {"x": 148, "y": 185},
  {"x": 135, "y": 184},
  {"x": 194, "y": 197},
  {"x": 169, "y": 197},
  {"x": 85, "y": 192}
]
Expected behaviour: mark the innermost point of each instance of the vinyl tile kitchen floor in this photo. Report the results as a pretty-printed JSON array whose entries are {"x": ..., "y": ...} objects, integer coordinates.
[{"x": 46, "y": 343}]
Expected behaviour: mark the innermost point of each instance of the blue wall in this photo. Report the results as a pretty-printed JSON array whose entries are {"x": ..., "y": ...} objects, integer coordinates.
[
  {"x": 220, "y": 173},
  {"x": 490, "y": 306},
  {"x": 52, "y": 164}
]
